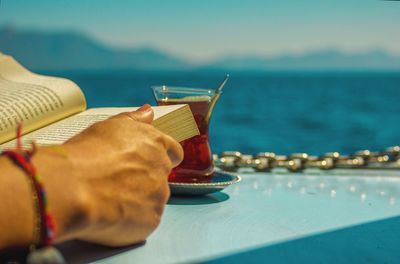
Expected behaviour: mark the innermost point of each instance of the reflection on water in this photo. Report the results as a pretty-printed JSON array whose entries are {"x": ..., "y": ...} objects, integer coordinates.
[
  {"x": 314, "y": 98},
  {"x": 383, "y": 186}
]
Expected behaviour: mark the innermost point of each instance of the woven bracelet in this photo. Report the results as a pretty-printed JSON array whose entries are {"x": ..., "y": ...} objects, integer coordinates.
[{"x": 44, "y": 230}]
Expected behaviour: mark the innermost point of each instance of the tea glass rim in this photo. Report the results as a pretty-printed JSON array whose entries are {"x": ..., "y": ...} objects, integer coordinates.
[{"x": 181, "y": 89}]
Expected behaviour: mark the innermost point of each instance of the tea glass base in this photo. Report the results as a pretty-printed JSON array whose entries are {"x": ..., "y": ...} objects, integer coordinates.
[{"x": 219, "y": 181}]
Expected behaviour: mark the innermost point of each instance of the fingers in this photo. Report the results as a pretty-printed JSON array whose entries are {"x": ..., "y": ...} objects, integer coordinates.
[{"x": 144, "y": 114}]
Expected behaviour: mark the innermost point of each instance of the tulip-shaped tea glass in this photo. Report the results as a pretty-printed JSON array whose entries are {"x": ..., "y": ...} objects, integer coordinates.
[{"x": 197, "y": 165}]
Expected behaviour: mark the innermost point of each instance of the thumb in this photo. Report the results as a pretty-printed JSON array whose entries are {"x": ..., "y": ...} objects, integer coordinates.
[{"x": 144, "y": 114}]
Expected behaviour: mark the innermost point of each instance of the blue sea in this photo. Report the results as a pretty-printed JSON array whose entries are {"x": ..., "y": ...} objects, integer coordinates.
[{"x": 281, "y": 112}]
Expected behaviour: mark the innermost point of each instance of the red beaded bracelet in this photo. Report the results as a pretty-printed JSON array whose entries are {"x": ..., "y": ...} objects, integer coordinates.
[{"x": 44, "y": 231}]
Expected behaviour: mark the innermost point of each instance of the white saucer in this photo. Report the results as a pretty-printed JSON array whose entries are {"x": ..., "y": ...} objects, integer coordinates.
[{"x": 219, "y": 181}]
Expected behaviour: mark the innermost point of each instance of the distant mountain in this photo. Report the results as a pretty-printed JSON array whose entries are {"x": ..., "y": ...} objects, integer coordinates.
[
  {"x": 74, "y": 51},
  {"x": 319, "y": 60},
  {"x": 39, "y": 50}
]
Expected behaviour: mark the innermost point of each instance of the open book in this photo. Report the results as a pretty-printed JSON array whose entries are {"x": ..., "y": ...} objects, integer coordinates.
[{"x": 54, "y": 109}]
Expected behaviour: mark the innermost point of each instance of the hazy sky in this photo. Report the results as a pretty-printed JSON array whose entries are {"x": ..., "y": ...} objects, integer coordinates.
[{"x": 202, "y": 30}]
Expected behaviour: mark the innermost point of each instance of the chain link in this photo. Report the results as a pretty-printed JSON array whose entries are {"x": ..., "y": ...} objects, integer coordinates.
[{"x": 266, "y": 161}]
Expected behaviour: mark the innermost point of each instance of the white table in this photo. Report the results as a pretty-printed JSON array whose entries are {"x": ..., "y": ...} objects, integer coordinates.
[{"x": 328, "y": 217}]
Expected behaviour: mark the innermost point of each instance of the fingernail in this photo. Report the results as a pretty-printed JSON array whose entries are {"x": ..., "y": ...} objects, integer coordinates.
[{"x": 144, "y": 108}]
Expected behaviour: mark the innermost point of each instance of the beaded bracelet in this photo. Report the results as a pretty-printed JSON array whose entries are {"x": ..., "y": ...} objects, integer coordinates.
[{"x": 44, "y": 231}]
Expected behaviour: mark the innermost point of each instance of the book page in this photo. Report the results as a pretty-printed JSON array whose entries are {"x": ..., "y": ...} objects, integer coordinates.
[
  {"x": 33, "y": 99},
  {"x": 63, "y": 130}
]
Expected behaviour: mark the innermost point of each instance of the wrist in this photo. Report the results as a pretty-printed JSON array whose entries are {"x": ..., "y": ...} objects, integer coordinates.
[{"x": 67, "y": 200}]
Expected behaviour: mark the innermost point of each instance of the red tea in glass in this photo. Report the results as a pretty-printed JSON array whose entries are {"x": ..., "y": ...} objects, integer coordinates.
[{"x": 197, "y": 165}]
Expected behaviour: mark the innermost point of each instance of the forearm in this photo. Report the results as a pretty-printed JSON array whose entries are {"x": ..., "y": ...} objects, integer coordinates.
[{"x": 17, "y": 208}]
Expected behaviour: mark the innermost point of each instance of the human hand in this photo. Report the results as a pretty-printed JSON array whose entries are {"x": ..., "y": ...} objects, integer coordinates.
[{"x": 117, "y": 169}]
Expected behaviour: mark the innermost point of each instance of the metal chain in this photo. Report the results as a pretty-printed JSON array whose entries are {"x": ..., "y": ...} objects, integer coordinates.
[{"x": 266, "y": 161}]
